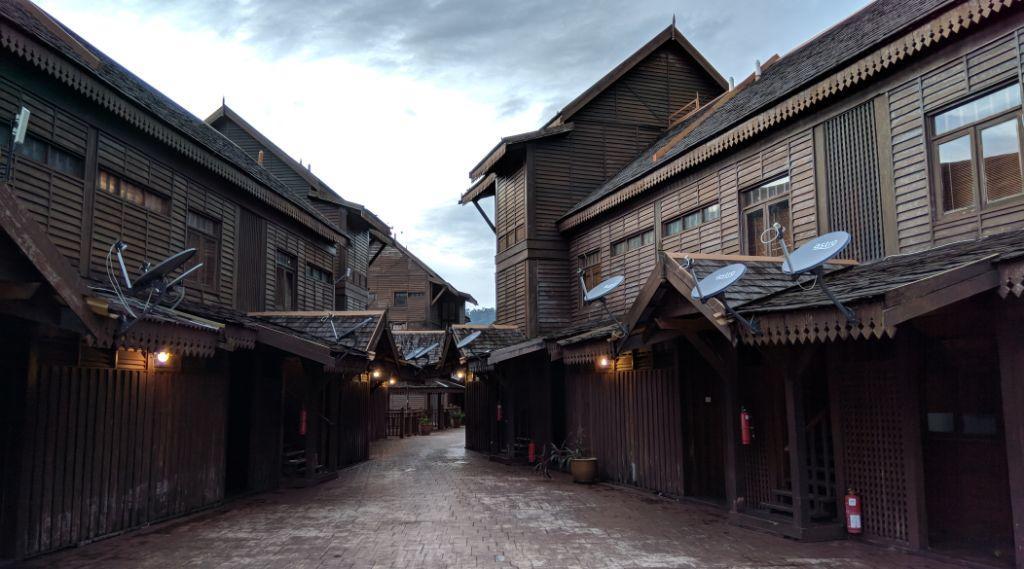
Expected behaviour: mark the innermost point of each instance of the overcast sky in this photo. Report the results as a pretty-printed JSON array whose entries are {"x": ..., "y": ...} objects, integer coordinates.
[{"x": 393, "y": 101}]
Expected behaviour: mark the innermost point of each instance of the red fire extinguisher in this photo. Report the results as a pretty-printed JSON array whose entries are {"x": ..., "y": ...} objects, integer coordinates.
[
  {"x": 745, "y": 435},
  {"x": 499, "y": 411},
  {"x": 302, "y": 421},
  {"x": 853, "y": 519},
  {"x": 531, "y": 452}
]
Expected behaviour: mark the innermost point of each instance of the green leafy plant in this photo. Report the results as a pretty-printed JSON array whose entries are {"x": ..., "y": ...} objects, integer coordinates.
[
  {"x": 559, "y": 457},
  {"x": 425, "y": 421}
]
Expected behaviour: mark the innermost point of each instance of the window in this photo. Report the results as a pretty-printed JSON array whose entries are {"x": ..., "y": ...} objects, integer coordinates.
[
  {"x": 401, "y": 298},
  {"x": 285, "y": 293},
  {"x": 318, "y": 274},
  {"x": 204, "y": 235},
  {"x": 38, "y": 150},
  {"x": 691, "y": 220},
  {"x": 416, "y": 294},
  {"x": 132, "y": 193},
  {"x": 590, "y": 264},
  {"x": 977, "y": 149},
  {"x": 511, "y": 237},
  {"x": 633, "y": 243},
  {"x": 763, "y": 207}
]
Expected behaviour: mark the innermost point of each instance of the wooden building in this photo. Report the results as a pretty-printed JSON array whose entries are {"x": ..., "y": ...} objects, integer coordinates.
[
  {"x": 98, "y": 419},
  {"x": 365, "y": 235},
  {"x": 899, "y": 125},
  {"x": 415, "y": 296}
]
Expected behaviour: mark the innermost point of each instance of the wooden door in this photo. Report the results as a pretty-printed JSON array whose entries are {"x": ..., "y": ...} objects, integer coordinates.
[
  {"x": 705, "y": 435},
  {"x": 966, "y": 480}
]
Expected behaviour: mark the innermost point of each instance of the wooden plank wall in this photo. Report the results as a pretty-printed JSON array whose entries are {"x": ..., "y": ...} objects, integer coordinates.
[
  {"x": 394, "y": 272},
  {"x": 54, "y": 199},
  {"x": 282, "y": 171},
  {"x": 721, "y": 184},
  {"x": 252, "y": 243},
  {"x": 919, "y": 225},
  {"x": 108, "y": 450},
  {"x": 510, "y": 206},
  {"x": 378, "y": 415},
  {"x": 311, "y": 295},
  {"x": 358, "y": 297},
  {"x": 512, "y": 295},
  {"x": 481, "y": 403},
  {"x": 632, "y": 422},
  {"x": 354, "y": 421}
]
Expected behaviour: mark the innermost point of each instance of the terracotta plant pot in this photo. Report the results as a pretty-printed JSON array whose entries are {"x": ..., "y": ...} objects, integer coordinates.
[
  {"x": 425, "y": 429},
  {"x": 584, "y": 470}
]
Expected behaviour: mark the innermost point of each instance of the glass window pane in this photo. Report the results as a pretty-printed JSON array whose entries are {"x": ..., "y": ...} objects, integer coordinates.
[
  {"x": 673, "y": 227},
  {"x": 634, "y": 242},
  {"x": 766, "y": 191},
  {"x": 33, "y": 148},
  {"x": 957, "y": 173},
  {"x": 157, "y": 203},
  {"x": 648, "y": 237},
  {"x": 712, "y": 212},
  {"x": 976, "y": 110},
  {"x": 692, "y": 220},
  {"x": 980, "y": 424},
  {"x": 941, "y": 423},
  {"x": 1000, "y": 148},
  {"x": 132, "y": 193}
]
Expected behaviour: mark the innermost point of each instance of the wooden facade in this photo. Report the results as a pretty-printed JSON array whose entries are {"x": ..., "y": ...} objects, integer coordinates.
[
  {"x": 908, "y": 408},
  {"x": 415, "y": 296},
  {"x": 97, "y": 434}
]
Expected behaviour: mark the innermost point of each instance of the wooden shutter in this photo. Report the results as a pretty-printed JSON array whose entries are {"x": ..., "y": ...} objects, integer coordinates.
[
  {"x": 852, "y": 181},
  {"x": 252, "y": 259}
]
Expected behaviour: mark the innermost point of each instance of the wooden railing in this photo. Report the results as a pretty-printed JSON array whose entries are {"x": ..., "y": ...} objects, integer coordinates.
[{"x": 406, "y": 423}]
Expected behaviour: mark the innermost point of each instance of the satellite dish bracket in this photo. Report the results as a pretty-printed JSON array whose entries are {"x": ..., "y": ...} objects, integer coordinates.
[{"x": 819, "y": 274}]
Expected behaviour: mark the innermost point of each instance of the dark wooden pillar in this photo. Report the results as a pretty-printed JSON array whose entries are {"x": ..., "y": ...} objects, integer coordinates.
[
  {"x": 795, "y": 426},
  {"x": 730, "y": 411},
  {"x": 1010, "y": 339}
]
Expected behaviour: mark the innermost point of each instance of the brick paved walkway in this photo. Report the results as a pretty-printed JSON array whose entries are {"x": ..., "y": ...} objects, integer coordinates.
[{"x": 426, "y": 502}]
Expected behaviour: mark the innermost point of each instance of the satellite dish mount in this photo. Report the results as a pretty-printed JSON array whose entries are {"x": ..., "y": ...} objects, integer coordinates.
[
  {"x": 811, "y": 259},
  {"x": 17, "y": 139},
  {"x": 154, "y": 285},
  {"x": 714, "y": 286},
  {"x": 598, "y": 294}
]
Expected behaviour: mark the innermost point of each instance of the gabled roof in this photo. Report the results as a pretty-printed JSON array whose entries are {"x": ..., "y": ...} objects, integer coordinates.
[
  {"x": 43, "y": 28},
  {"x": 866, "y": 30},
  {"x": 492, "y": 337},
  {"x": 436, "y": 278},
  {"x": 318, "y": 189},
  {"x": 559, "y": 124},
  {"x": 671, "y": 34},
  {"x": 362, "y": 332}
]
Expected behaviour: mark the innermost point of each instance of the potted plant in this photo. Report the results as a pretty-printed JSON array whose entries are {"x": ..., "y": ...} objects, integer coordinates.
[
  {"x": 426, "y": 425},
  {"x": 457, "y": 417},
  {"x": 572, "y": 456}
]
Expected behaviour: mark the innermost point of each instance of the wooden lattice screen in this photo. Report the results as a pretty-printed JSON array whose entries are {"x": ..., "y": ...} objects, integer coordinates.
[
  {"x": 873, "y": 396},
  {"x": 852, "y": 181}
]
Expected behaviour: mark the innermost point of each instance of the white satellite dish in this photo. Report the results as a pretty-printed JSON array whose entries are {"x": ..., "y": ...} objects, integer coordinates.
[
  {"x": 714, "y": 286},
  {"x": 467, "y": 340},
  {"x": 811, "y": 258},
  {"x": 603, "y": 288}
]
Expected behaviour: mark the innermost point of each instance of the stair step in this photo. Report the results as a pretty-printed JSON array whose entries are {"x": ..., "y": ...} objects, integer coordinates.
[
  {"x": 781, "y": 492},
  {"x": 777, "y": 507}
]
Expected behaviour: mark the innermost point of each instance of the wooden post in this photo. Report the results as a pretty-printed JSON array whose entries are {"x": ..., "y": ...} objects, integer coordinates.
[
  {"x": 731, "y": 410},
  {"x": 795, "y": 422},
  {"x": 1011, "y": 371}
]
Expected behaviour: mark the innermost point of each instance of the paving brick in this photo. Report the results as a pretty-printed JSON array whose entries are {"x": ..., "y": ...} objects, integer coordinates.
[{"x": 427, "y": 503}]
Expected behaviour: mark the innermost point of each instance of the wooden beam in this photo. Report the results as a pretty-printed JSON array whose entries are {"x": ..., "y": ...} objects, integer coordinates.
[
  {"x": 932, "y": 293},
  {"x": 33, "y": 242},
  {"x": 483, "y": 214},
  {"x": 679, "y": 256},
  {"x": 377, "y": 254},
  {"x": 712, "y": 309}
]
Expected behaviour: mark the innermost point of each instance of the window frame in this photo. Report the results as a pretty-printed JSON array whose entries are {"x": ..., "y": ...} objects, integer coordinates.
[
  {"x": 591, "y": 272},
  {"x": 49, "y": 147},
  {"x": 764, "y": 206},
  {"x": 280, "y": 267},
  {"x": 405, "y": 299},
  {"x": 702, "y": 210},
  {"x": 119, "y": 195},
  {"x": 979, "y": 188},
  {"x": 311, "y": 273},
  {"x": 199, "y": 278},
  {"x": 625, "y": 240}
]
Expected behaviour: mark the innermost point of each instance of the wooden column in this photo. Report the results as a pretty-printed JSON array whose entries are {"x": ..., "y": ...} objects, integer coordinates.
[
  {"x": 731, "y": 411},
  {"x": 795, "y": 423},
  {"x": 1010, "y": 340}
]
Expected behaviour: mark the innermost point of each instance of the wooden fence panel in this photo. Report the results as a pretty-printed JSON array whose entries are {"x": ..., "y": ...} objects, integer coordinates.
[{"x": 111, "y": 449}]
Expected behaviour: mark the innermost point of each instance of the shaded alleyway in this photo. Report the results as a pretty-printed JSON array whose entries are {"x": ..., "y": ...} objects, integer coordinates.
[{"x": 426, "y": 502}]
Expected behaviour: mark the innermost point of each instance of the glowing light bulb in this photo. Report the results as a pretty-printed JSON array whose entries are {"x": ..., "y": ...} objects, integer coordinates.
[
  {"x": 392, "y": 381},
  {"x": 163, "y": 357},
  {"x": 376, "y": 374},
  {"x": 460, "y": 374},
  {"x": 603, "y": 361}
]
